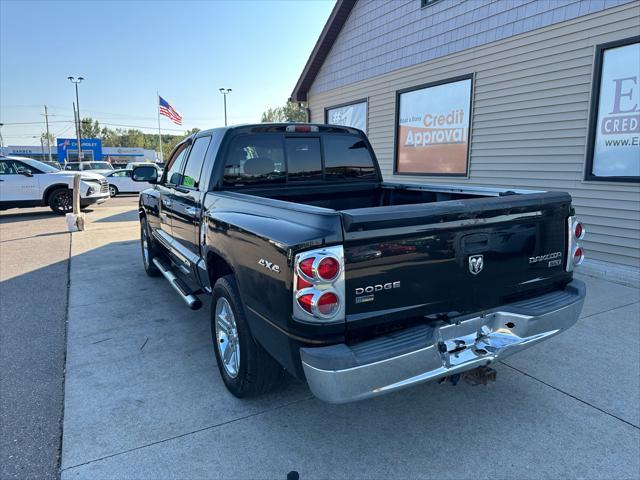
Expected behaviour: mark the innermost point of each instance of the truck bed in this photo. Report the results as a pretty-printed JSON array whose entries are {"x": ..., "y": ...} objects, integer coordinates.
[{"x": 373, "y": 195}]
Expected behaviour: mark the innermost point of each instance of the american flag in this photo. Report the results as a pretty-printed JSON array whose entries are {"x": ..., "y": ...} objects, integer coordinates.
[{"x": 169, "y": 112}]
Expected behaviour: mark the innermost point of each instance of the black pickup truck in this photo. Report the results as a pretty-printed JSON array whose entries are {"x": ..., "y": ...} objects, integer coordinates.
[{"x": 317, "y": 266}]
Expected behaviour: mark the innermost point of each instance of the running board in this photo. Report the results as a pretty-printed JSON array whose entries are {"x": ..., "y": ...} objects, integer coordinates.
[{"x": 178, "y": 285}]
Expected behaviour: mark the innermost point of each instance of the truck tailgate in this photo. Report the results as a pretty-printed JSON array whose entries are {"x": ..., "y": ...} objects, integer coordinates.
[{"x": 407, "y": 261}]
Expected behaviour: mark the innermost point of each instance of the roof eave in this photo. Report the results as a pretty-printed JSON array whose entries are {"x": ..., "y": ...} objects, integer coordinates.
[{"x": 320, "y": 51}]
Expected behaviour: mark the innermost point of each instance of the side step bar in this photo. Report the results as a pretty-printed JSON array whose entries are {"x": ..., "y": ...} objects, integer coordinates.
[{"x": 178, "y": 285}]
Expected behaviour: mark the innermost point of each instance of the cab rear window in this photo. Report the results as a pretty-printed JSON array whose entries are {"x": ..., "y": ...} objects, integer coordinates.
[
  {"x": 268, "y": 159},
  {"x": 347, "y": 157}
]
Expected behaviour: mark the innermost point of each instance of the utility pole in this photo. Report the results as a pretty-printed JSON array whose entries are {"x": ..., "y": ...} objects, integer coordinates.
[
  {"x": 46, "y": 119},
  {"x": 1, "y": 140},
  {"x": 76, "y": 81},
  {"x": 225, "y": 92},
  {"x": 41, "y": 147}
]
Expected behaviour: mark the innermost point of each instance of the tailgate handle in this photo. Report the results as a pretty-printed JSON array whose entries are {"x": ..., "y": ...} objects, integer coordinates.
[{"x": 474, "y": 243}]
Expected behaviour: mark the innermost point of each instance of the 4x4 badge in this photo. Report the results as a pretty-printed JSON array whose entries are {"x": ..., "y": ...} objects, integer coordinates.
[{"x": 476, "y": 262}]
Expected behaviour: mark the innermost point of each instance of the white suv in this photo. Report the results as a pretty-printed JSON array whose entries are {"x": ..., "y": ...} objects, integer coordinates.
[{"x": 25, "y": 182}]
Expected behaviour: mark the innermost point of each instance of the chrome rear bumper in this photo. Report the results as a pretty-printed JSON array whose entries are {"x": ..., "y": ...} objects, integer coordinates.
[{"x": 342, "y": 373}]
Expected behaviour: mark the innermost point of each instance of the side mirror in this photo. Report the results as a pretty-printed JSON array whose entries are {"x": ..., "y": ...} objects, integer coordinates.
[
  {"x": 25, "y": 172},
  {"x": 145, "y": 173}
]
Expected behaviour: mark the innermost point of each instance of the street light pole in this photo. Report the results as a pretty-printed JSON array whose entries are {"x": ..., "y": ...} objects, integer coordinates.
[
  {"x": 225, "y": 92},
  {"x": 76, "y": 81}
]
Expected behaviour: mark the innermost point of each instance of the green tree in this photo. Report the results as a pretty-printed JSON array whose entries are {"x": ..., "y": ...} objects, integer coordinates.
[
  {"x": 89, "y": 128},
  {"x": 291, "y": 112}
]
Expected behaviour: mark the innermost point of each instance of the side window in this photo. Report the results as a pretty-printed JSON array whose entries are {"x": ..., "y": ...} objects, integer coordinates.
[
  {"x": 23, "y": 166},
  {"x": 72, "y": 166},
  {"x": 255, "y": 160},
  {"x": 123, "y": 173},
  {"x": 175, "y": 166},
  {"x": 7, "y": 167},
  {"x": 303, "y": 158},
  {"x": 191, "y": 176}
]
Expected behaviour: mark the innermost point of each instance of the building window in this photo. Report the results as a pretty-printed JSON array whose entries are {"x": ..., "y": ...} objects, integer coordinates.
[
  {"x": 432, "y": 128},
  {"x": 353, "y": 114},
  {"x": 613, "y": 152},
  {"x": 426, "y": 3}
]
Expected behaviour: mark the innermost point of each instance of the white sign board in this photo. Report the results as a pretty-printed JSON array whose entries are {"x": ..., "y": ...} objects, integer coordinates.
[
  {"x": 432, "y": 134},
  {"x": 616, "y": 151},
  {"x": 354, "y": 115}
]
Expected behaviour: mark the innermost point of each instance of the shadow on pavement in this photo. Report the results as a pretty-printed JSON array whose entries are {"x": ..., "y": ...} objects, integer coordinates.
[
  {"x": 128, "y": 216},
  {"x": 27, "y": 216},
  {"x": 33, "y": 310},
  {"x": 51, "y": 234}
]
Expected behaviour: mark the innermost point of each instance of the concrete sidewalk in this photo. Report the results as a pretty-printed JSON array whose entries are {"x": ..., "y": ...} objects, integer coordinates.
[{"x": 143, "y": 398}]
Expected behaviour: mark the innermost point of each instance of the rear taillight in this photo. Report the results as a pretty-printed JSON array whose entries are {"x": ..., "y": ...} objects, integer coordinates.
[
  {"x": 575, "y": 253},
  {"x": 578, "y": 256},
  {"x": 319, "y": 285},
  {"x": 328, "y": 268},
  {"x": 328, "y": 303},
  {"x": 306, "y": 266}
]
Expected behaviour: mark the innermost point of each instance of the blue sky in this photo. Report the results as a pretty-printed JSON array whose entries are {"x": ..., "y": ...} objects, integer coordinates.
[{"x": 127, "y": 50}]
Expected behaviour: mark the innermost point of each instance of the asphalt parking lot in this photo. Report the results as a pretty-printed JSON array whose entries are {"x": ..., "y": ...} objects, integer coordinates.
[{"x": 143, "y": 399}]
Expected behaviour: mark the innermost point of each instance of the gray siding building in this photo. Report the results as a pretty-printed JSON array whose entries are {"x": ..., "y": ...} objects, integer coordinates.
[{"x": 531, "y": 94}]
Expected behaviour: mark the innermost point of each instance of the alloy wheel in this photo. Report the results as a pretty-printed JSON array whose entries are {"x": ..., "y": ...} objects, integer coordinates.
[
  {"x": 227, "y": 340},
  {"x": 63, "y": 202}
]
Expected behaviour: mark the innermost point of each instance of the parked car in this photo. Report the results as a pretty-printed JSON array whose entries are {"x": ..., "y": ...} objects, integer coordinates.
[
  {"x": 96, "y": 167},
  {"x": 316, "y": 265},
  {"x": 120, "y": 182},
  {"x": 25, "y": 182},
  {"x": 132, "y": 165}
]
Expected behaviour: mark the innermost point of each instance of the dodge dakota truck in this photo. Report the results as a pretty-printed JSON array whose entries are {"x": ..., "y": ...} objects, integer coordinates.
[{"x": 316, "y": 265}]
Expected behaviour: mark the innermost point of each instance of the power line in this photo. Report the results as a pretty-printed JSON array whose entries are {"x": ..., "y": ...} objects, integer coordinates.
[{"x": 99, "y": 122}]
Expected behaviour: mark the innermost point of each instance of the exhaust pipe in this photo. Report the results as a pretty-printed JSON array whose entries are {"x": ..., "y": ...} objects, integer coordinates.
[{"x": 178, "y": 285}]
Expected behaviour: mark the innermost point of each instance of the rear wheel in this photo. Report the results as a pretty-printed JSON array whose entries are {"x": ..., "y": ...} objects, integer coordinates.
[
  {"x": 113, "y": 190},
  {"x": 61, "y": 200},
  {"x": 149, "y": 251},
  {"x": 247, "y": 370}
]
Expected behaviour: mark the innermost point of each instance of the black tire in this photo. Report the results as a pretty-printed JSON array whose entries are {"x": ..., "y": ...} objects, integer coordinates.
[
  {"x": 61, "y": 200},
  {"x": 113, "y": 190},
  {"x": 149, "y": 249},
  {"x": 257, "y": 372}
]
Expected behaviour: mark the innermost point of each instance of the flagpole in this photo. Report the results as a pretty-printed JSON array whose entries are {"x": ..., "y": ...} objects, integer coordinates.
[{"x": 159, "y": 133}]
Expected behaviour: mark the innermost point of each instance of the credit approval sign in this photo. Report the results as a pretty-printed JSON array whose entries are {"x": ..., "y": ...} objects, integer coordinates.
[
  {"x": 616, "y": 142},
  {"x": 433, "y": 128}
]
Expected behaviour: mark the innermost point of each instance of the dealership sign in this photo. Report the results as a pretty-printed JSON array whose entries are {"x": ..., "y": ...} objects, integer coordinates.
[
  {"x": 616, "y": 146},
  {"x": 92, "y": 145},
  {"x": 432, "y": 136}
]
